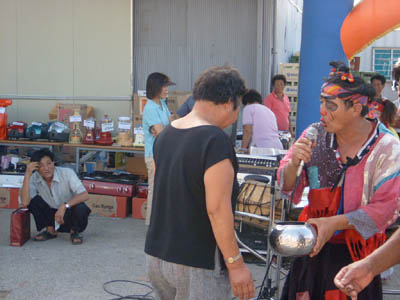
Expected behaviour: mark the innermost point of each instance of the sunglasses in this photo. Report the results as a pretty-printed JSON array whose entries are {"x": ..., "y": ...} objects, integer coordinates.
[{"x": 327, "y": 101}]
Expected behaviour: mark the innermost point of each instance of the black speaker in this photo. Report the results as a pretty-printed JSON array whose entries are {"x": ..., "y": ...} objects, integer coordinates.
[{"x": 254, "y": 237}]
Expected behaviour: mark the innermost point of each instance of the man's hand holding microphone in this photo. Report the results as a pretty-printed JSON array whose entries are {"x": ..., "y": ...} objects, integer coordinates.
[{"x": 301, "y": 153}]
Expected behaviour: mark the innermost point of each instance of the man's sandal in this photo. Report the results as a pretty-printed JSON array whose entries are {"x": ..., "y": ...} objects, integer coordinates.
[
  {"x": 76, "y": 238},
  {"x": 44, "y": 236}
]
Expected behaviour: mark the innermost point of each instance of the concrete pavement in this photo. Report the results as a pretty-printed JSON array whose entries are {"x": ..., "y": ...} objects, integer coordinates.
[{"x": 112, "y": 250}]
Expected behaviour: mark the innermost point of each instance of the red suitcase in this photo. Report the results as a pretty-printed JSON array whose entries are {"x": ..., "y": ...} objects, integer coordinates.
[{"x": 20, "y": 227}]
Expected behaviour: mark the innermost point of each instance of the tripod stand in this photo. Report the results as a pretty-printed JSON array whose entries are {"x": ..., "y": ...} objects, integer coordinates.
[{"x": 269, "y": 288}]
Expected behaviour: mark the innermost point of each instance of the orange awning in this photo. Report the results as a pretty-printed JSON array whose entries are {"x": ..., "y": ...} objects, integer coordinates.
[{"x": 367, "y": 22}]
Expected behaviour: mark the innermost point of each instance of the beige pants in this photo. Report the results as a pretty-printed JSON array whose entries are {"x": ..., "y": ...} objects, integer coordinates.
[
  {"x": 178, "y": 282},
  {"x": 150, "y": 174}
]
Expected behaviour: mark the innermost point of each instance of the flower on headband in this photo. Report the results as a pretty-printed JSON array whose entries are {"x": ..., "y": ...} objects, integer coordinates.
[
  {"x": 347, "y": 76},
  {"x": 334, "y": 72}
]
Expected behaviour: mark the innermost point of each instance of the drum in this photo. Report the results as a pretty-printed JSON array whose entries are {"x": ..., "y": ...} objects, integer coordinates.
[{"x": 255, "y": 198}]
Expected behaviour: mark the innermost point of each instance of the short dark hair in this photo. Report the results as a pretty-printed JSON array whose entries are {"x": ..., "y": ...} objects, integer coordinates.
[
  {"x": 279, "y": 77},
  {"x": 252, "y": 96},
  {"x": 155, "y": 82},
  {"x": 379, "y": 77},
  {"x": 220, "y": 85},
  {"x": 39, "y": 154},
  {"x": 358, "y": 86},
  {"x": 388, "y": 115}
]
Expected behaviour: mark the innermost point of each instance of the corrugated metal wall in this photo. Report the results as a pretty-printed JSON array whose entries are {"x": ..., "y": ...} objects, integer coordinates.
[{"x": 184, "y": 37}]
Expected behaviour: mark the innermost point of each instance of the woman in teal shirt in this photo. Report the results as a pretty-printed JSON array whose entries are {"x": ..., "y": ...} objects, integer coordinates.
[{"x": 155, "y": 117}]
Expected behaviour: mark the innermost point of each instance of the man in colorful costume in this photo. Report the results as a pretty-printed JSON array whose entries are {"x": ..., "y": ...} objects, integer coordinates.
[{"x": 354, "y": 182}]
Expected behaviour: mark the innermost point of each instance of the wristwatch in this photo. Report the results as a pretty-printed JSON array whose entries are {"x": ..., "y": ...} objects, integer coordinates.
[
  {"x": 67, "y": 205},
  {"x": 231, "y": 260}
]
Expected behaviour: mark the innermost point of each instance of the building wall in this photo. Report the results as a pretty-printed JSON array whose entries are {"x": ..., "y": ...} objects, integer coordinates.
[
  {"x": 64, "y": 51},
  {"x": 82, "y": 51},
  {"x": 182, "y": 38},
  {"x": 289, "y": 22},
  {"x": 390, "y": 40}
]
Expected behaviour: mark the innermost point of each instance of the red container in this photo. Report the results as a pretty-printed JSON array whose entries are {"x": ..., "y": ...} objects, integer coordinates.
[
  {"x": 4, "y": 117},
  {"x": 20, "y": 227},
  {"x": 109, "y": 188},
  {"x": 142, "y": 190},
  {"x": 16, "y": 130},
  {"x": 9, "y": 198},
  {"x": 139, "y": 206}
]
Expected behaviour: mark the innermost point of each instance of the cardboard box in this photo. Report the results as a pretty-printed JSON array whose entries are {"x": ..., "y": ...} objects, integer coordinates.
[
  {"x": 68, "y": 154},
  {"x": 108, "y": 206},
  {"x": 139, "y": 206},
  {"x": 137, "y": 120},
  {"x": 136, "y": 165},
  {"x": 9, "y": 198},
  {"x": 290, "y": 70},
  {"x": 139, "y": 103},
  {"x": 291, "y": 90},
  {"x": 175, "y": 100},
  {"x": 62, "y": 112}
]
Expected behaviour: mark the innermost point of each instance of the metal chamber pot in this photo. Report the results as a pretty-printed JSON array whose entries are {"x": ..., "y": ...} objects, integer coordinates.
[{"x": 292, "y": 238}]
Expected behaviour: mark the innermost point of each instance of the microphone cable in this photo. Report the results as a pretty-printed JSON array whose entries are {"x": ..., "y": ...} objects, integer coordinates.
[{"x": 145, "y": 296}]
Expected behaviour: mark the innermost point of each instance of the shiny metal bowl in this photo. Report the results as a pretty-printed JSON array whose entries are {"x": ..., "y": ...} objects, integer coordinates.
[{"x": 292, "y": 238}]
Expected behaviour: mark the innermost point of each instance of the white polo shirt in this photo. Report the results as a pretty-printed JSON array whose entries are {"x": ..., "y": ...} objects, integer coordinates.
[{"x": 64, "y": 187}]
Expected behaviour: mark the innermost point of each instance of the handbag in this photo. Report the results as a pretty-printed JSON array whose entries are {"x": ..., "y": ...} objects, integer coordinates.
[{"x": 20, "y": 227}]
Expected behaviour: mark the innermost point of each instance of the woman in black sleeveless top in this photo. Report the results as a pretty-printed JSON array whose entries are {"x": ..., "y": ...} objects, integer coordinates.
[{"x": 191, "y": 248}]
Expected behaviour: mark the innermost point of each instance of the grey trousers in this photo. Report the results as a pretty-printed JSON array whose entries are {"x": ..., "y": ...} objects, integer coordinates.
[{"x": 178, "y": 282}]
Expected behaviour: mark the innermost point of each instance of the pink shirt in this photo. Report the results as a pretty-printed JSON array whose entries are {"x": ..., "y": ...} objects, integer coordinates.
[
  {"x": 281, "y": 109},
  {"x": 371, "y": 187},
  {"x": 265, "y": 130}
]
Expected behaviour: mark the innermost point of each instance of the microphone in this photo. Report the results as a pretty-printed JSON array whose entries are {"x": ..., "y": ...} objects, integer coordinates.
[{"x": 311, "y": 135}]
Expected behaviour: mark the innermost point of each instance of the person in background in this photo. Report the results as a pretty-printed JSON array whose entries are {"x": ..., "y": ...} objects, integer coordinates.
[
  {"x": 191, "y": 249},
  {"x": 155, "y": 117},
  {"x": 54, "y": 194},
  {"x": 378, "y": 82},
  {"x": 353, "y": 174},
  {"x": 385, "y": 111},
  {"x": 186, "y": 107},
  {"x": 279, "y": 103},
  {"x": 259, "y": 123},
  {"x": 396, "y": 82},
  {"x": 382, "y": 108},
  {"x": 353, "y": 278}
]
